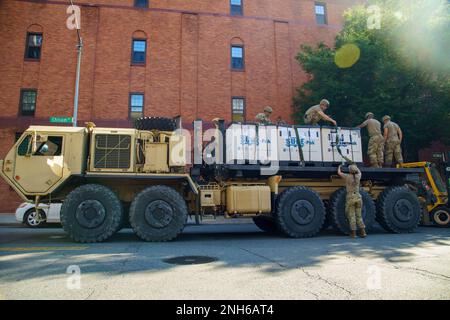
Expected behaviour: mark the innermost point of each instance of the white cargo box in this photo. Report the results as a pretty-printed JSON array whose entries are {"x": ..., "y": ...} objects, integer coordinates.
[
  {"x": 355, "y": 137},
  {"x": 293, "y": 145},
  {"x": 310, "y": 142},
  {"x": 284, "y": 153},
  {"x": 249, "y": 141},
  {"x": 267, "y": 144},
  {"x": 234, "y": 143},
  {"x": 262, "y": 144},
  {"x": 349, "y": 141}
]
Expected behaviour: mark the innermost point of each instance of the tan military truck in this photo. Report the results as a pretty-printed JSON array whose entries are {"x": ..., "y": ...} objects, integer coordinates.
[{"x": 106, "y": 176}]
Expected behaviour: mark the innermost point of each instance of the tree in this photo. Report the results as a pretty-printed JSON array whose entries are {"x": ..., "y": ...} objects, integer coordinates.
[{"x": 401, "y": 69}]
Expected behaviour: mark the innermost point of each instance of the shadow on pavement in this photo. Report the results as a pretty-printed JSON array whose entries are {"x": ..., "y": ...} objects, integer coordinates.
[{"x": 237, "y": 246}]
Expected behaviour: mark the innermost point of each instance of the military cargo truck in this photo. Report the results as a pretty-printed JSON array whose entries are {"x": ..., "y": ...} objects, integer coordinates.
[{"x": 105, "y": 177}]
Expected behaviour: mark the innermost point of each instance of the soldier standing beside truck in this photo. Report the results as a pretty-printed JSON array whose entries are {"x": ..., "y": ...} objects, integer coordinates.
[
  {"x": 375, "y": 149},
  {"x": 393, "y": 137},
  {"x": 353, "y": 202},
  {"x": 316, "y": 113}
]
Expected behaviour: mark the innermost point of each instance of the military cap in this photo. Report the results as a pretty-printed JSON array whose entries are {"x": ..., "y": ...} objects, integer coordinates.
[
  {"x": 268, "y": 109},
  {"x": 368, "y": 114},
  {"x": 325, "y": 101},
  {"x": 386, "y": 118},
  {"x": 353, "y": 169}
]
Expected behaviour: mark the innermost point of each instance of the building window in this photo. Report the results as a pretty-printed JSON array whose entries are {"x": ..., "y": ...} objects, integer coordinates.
[
  {"x": 141, "y": 3},
  {"x": 28, "y": 102},
  {"x": 236, "y": 7},
  {"x": 136, "y": 105},
  {"x": 237, "y": 57},
  {"x": 321, "y": 13},
  {"x": 139, "y": 51},
  {"x": 33, "y": 46},
  {"x": 238, "y": 109}
]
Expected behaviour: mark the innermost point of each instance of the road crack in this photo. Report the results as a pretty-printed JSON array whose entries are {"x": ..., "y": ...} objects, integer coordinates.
[
  {"x": 265, "y": 258},
  {"x": 330, "y": 283}
]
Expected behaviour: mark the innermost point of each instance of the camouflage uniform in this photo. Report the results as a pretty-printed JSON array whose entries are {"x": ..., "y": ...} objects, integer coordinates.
[
  {"x": 393, "y": 148},
  {"x": 353, "y": 203},
  {"x": 263, "y": 118},
  {"x": 375, "y": 150},
  {"x": 312, "y": 115}
]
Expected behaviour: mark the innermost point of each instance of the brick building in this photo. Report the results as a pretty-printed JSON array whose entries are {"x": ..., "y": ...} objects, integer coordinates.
[{"x": 194, "y": 58}]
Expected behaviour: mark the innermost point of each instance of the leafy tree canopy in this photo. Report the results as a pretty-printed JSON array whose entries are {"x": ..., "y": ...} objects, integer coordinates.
[{"x": 397, "y": 65}]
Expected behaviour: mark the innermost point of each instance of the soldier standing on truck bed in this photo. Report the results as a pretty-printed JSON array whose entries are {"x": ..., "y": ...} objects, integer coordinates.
[
  {"x": 375, "y": 150},
  {"x": 264, "y": 117},
  {"x": 353, "y": 201},
  {"x": 316, "y": 113},
  {"x": 393, "y": 137}
]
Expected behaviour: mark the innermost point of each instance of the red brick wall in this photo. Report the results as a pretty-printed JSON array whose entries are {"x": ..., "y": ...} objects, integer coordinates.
[
  {"x": 426, "y": 154},
  {"x": 188, "y": 59}
]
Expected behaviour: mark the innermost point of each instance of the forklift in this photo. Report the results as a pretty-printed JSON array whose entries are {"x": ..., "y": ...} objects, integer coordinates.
[{"x": 433, "y": 193}]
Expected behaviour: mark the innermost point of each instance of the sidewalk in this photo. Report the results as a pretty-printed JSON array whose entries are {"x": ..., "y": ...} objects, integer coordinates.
[{"x": 8, "y": 219}]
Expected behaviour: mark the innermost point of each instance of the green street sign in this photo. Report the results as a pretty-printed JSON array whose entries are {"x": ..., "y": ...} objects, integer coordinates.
[{"x": 61, "y": 119}]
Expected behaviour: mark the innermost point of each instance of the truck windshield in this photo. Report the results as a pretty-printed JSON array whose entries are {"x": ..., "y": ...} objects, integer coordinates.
[{"x": 437, "y": 179}]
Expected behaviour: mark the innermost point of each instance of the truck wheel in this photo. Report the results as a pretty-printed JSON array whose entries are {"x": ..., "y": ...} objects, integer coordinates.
[
  {"x": 398, "y": 210},
  {"x": 338, "y": 217},
  {"x": 266, "y": 224},
  {"x": 441, "y": 216},
  {"x": 158, "y": 213},
  {"x": 155, "y": 123},
  {"x": 300, "y": 212},
  {"x": 91, "y": 213}
]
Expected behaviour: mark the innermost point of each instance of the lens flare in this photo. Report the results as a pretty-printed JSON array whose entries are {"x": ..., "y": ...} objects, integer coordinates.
[{"x": 347, "y": 55}]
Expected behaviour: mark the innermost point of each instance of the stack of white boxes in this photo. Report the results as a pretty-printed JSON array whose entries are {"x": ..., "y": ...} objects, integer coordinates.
[{"x": 259, "y": 144}]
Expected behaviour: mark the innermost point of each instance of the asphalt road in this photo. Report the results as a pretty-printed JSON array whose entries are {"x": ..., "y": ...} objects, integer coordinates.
[{"x": 44, "y": 264}]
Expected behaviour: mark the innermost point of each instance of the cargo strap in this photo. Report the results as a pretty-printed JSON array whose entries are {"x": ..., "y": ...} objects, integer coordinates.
[
  {"x": 300, "y": 150},
  {"x": 338, "y": 147}
]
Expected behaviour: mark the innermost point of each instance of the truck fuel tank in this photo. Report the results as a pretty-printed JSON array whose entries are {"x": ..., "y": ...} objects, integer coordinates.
[{"x": 248, "y": 199}]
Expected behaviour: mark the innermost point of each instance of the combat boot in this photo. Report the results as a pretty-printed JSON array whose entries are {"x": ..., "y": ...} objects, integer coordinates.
[
  {"x": 353, "y": 234},
  {"x": 362, "y": 233}
]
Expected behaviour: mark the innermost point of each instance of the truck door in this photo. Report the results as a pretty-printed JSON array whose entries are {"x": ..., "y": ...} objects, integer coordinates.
[{"x": 38, "y": 171}]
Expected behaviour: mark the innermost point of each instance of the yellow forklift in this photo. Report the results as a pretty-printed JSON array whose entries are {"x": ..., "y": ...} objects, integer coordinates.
[{"x": 433, "y": 194}]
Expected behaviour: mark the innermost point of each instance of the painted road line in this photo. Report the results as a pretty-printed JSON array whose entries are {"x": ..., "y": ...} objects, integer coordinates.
[{"x": 59, "y": 248}]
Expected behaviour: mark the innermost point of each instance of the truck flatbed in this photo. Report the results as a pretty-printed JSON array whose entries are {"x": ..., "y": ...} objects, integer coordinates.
[{"x": 368, "y": 173}]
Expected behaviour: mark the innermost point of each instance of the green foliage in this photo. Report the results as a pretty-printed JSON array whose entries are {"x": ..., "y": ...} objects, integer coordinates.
[{"x": 403, "y": 71}]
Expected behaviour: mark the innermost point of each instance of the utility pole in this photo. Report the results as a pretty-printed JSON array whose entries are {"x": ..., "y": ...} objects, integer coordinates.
[{"x": 77, "y": 79}]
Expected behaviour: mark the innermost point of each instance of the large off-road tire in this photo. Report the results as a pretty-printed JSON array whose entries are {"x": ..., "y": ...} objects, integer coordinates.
[
  {"x": 338, "y": 217},
  {"x": 398, "y": 210},
  {"x": 266, "y": 224},
  {"x": 155, "y": 123},
  {"x": 158, "y": 213},
  {"x": 441, "y": 216},
  {"x": 300, "y": 212},
  {"x": 91, "y": 213}
]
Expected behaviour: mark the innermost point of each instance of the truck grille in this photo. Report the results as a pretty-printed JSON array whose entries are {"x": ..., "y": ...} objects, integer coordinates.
[{"x": 112, "y": 151}]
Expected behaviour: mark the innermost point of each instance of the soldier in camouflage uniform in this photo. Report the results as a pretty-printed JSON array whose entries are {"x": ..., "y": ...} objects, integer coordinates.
[
  {"x": 353, "y": 201},
  {"x": 375, "y": 149},
  {"x": 264, "y": 118},
  {"x": 316, "y": 113},
  {"x": 393, "y": 137}
]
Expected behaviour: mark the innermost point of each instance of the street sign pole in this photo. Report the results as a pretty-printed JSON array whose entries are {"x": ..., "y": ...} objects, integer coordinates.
[{"x": 77, "y": 82}]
